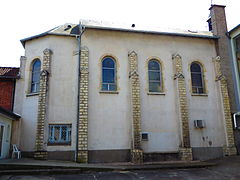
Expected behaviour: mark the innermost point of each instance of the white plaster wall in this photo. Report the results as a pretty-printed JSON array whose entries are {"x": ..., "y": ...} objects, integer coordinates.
[
  {"x": 25, "y": 105},
  {"x": 109, "y": 114},
  {"x": 62, "y": 102},
  {"x": 63, "y": 86},
  {"x": 209, "y": 107}
]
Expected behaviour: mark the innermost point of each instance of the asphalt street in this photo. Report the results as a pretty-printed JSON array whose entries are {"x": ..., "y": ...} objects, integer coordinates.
[{"x": 227, "y": 169}]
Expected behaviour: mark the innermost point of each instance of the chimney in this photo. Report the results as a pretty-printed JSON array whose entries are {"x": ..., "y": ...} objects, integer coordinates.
[{"x": 218, "y": 25}]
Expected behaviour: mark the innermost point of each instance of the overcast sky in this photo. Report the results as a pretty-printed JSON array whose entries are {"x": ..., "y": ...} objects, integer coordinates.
[{"x": 24, "y": 18}]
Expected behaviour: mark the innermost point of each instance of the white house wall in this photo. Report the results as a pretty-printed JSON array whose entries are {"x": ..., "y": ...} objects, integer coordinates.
[
  {"x": 109, "y": 114},
  {"x": 109, "y": 125},
  {"x": 62, "y": 89}
]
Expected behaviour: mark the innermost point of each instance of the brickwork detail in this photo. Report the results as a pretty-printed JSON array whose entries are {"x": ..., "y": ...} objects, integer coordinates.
[
  {"x": 82, "y": 155},
  {"x": 186, "y": 154},
  {"x": 230, "y": 148},
  {"x": 136, "y": 152},
  {"x": 137, "y": 156},
  {"x": 185, "y": 150},
  {"x": 41, "y": 155},
  {"x": 40, "y": 152},
  {"x": 6, "y": 93},
  {"x": 219, "y": 28}
]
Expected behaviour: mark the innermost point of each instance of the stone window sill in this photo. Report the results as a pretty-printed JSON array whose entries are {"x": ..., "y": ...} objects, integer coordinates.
[
  {"x": 32, "y": 94},
  {"x": 59, "y": 144},
  {"x": 195, "y": 94},
  {"x": 108, "y": 92},
  {"x": 156, "y": 93}
]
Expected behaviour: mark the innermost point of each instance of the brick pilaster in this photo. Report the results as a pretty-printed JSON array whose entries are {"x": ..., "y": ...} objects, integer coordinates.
[
  {"x": 185, "y": 149},
  {"x": 230, "y": 148},
  {"x": 219, "y": 28},
  {"x": 136, "y": 152},
  {"x": 82, "y": 155},
  {"x": 40, "y": 151}
]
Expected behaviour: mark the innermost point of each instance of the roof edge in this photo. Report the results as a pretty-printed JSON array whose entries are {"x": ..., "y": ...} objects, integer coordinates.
[
  {"x": 9, "y": 113},
  {"x": 235, "y": 28},
  {"x": 152, "y": 32},
  {"x": 23, "y": 41}
]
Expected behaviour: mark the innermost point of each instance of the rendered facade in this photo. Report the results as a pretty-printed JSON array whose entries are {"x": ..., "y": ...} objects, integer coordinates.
[{"x": 98, "y": 92}]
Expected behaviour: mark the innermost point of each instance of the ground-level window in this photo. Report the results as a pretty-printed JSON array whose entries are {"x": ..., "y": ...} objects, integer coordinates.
[
  {"x": 60, "y": 134},
  {"x": 197, "y": 78}
]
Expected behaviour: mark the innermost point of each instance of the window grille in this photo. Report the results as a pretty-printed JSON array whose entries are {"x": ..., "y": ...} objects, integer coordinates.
[{"x": 60, "y": 133}]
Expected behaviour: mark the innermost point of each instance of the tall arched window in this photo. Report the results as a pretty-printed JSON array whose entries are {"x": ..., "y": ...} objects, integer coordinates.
[
  {"x": 109, "y": 74},
  {"x": 197, "y": 78},
  {"x": 36, "y": 68},
  {"x": 154, "y": 76}
]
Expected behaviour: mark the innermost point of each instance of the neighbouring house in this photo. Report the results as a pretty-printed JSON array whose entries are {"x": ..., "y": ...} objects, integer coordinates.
[
  {"x": 104, "y": 92},
  {"x": 9, "y": 121},
  {"x": 8, "y": 76},
  {"x": 234, "y": 36}
]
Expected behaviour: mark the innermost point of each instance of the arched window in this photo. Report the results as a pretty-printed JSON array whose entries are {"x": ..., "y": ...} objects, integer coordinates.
[
  {"x": 109, "y": 74},
  {"x": 36, "y": 68},
  {"x": 197, "y": 78},
  {"x": 154, "y": 76}
]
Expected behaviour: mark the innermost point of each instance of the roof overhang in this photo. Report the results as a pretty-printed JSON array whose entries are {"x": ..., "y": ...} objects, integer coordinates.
[
  {"x": 153, "y": 32},
  {"x": 9, "y": 114},
  {"x": 234, "y": 29},
  {"x": 73, "y": 30}
]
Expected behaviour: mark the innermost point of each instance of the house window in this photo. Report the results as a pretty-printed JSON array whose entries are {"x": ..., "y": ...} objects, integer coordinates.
[
  {"x": 36, "y": 68},
  {"x": 154, "y": 76},
  {"x": 109, "y": 74},
  {"x": 197, "y": 78},
  {"x": 60, "y": 134}
]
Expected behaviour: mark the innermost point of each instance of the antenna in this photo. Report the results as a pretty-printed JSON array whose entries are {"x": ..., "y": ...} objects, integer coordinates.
[{"x": 211, "y": 2}]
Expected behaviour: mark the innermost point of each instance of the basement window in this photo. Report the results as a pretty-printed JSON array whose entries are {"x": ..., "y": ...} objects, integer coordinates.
[{"x": 60, "y": 134}]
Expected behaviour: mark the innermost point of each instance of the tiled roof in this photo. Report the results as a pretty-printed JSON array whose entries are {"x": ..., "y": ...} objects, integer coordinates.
[{"x": 9, "y": 72}]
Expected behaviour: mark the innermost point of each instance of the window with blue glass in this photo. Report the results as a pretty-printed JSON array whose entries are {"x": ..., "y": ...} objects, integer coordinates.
[
  {"x": 197, "y": 78},
  {"x": 154, "y": 76},
  {"x": 60, "y": 134},
  {"x": 109, "y": 74},
  {"x": 36, "y": 69}
]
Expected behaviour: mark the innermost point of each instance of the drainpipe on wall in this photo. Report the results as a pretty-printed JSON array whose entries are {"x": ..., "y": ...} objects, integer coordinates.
[
  {"x": 235, "y": 119},
  {"x": 78, "y": 37}
]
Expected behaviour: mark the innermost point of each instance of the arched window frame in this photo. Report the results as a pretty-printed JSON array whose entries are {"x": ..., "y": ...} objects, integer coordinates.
[
  {"x": 198, "y": 89},
  {"x": 160, "y": 81},
  {"x": 35, "y": 72},
  {"x": 109, "y": 86}
]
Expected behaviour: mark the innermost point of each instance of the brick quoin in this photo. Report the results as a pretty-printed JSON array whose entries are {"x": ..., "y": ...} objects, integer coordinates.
[{"x": 6, "y": 94}]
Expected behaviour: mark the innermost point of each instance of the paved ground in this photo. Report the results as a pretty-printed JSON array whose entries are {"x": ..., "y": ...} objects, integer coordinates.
[{"x": 227, "y": 169}]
